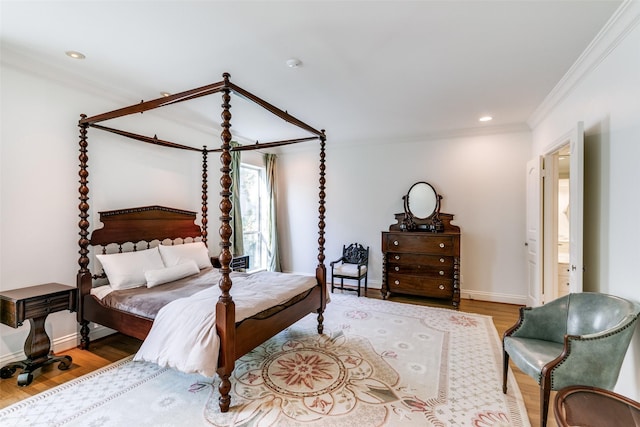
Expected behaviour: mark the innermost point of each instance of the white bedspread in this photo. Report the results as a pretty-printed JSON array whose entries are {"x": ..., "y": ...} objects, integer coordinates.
[{"x": 183, "y": 335}]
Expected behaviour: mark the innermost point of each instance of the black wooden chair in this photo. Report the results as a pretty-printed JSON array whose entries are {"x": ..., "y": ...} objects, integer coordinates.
[{"x": 351, "y": 265}]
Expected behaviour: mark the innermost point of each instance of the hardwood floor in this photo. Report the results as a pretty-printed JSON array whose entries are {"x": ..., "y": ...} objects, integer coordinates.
[{"x": 113, "y": 348}]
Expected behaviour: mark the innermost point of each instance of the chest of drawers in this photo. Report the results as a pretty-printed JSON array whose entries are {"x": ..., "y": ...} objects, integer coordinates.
[{"x": 422, "y": 263}]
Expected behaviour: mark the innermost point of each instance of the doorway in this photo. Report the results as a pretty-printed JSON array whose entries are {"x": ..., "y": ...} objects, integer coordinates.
[
  {"x": 557, "y": 223},
  {"x": 554, "y": 220}
]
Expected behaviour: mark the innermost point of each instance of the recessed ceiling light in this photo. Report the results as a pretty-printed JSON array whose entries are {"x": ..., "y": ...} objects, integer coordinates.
[
  {"x": 165, "y": 94},
  {"x": 75, "y": 55},
  {"x": 485, "y": 119},
  {"x": 294, "y": 63}
]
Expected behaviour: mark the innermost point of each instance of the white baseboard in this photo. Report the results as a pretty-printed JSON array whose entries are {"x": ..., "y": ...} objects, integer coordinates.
[
  {"x": 467, "y": 294},
  {"x": 57, "y": 345},
  {"x": 351, "y": 283},
  {"x": 64, "y": 343},
  {"x": 61, "y": 343},
  {"x": 493, "y": 297},
  {"x": 99, "y": 331}
]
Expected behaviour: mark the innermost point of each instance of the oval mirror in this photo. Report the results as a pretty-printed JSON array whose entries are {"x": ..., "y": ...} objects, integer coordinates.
[{"x": 422, "y": 200}]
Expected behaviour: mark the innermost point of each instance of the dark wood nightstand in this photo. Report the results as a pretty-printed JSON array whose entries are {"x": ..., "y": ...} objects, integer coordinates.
[{"x": 34, "y": 303}]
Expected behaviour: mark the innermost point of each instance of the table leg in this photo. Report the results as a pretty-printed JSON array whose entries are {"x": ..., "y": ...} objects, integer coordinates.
[
  {"x": 36, "y": 347},
  {"x": 37, "y": 344}
]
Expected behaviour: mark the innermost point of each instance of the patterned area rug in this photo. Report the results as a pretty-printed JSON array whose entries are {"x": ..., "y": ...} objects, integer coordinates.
[{"x": 379, "y": 363}]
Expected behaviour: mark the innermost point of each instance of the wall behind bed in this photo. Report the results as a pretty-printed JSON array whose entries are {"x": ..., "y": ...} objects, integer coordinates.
[
  {"x": 481, "y": 178},
  {"x": 39, "y": 180}
]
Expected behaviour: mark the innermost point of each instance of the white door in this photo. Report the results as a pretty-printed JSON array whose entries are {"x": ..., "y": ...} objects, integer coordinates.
[
  {"x": 534, "y": 232},
  {"x": 576, "y": 208}
]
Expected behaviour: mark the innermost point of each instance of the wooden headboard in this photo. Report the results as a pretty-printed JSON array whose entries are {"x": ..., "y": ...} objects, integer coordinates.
[{"x": 147, "y": 223}]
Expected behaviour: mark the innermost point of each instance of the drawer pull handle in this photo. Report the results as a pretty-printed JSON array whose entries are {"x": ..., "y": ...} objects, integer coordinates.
[
  {"x": 441, "y": 259},
  {"x": 397, "y": 268},
  {"x": 441, "y": 287},
  {"x": 397, "y": 282},
  {"x": 441, "y": 273},
  {"x": 397, "y": 257},
  {"x": 395, "y": 242},
  {"x": 442, "y": 245}
]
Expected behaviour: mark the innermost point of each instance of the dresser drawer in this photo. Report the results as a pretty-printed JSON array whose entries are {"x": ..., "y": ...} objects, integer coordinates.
[
  {"x": 42, "y": 306},
  {"x": 427, "y": 243},
  {"x": 439, "y": 261},
  {"x": 421, "y": 269},
  {"x": 416, "y": 285}
]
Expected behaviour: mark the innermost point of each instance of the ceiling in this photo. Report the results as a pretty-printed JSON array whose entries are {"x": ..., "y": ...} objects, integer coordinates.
[{"x": 371, "y": 70}]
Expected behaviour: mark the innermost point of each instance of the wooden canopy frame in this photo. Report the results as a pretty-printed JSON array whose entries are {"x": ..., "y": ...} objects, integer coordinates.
[{"x": 225, "y": 307}]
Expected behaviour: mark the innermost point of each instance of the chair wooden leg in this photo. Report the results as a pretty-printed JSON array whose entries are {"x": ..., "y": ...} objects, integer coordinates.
[
  {"x": 332, "y": 285},
  {"x": 505, "y": 370},
  {"x": 358, "y": 287},
  {"x": 545, "y": 392}
]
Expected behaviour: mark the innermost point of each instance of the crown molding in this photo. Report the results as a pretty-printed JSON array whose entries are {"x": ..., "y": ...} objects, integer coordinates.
[
  {"x": 30, "y": 65},
  {"x": 625, "y": 19},
  {"x": 433, "y": 136}
]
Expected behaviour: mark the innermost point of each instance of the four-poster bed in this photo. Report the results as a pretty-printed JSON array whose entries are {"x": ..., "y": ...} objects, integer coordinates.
[{"x": 157, "y": 224}]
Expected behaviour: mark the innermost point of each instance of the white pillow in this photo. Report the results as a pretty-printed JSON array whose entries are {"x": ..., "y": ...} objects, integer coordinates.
[
  {"x": 126, "y": 270},
  {"x": 169, "y": 274},
  {"x": 179, "y": 254}
]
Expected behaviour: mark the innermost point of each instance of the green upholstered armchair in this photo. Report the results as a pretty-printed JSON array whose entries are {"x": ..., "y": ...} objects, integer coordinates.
[{"x": 578, "y": 339}]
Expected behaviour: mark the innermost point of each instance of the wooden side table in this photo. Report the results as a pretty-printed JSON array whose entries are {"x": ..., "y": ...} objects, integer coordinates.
[
  {"x": 594, "y": 407},
  {"x": 34, "y": 303}
]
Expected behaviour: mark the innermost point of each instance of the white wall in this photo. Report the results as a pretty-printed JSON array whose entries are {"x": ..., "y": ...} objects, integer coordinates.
[
  {"x": 481, "y": 179},
  {"x": 606, "y": 98},
  {"x": 39, "y": 185}
]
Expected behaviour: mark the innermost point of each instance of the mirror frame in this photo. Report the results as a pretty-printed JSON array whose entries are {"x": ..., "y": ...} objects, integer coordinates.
[
  {"x": 420, "y": 195},
  {"x": 431, "y": 222}
]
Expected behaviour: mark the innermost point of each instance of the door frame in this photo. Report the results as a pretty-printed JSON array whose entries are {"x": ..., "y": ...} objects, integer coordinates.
[
  {"x": 550, "y": 223},
  {"x": 575, "y": 140},
  {"x": 576, "y": 187},
  {"x": 534, "y": 231}
]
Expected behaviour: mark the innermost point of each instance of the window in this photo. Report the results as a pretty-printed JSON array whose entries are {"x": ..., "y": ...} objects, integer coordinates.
[{"x": 254, "y": 214}]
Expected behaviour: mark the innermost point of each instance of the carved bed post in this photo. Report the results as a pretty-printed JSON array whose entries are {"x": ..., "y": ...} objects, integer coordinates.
[
  {"x": 83, "y": 280},
  {"x": 225, "y": 307},
  {"x": 205, "y": 196},
  {"x": 321, "y": 271}
]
